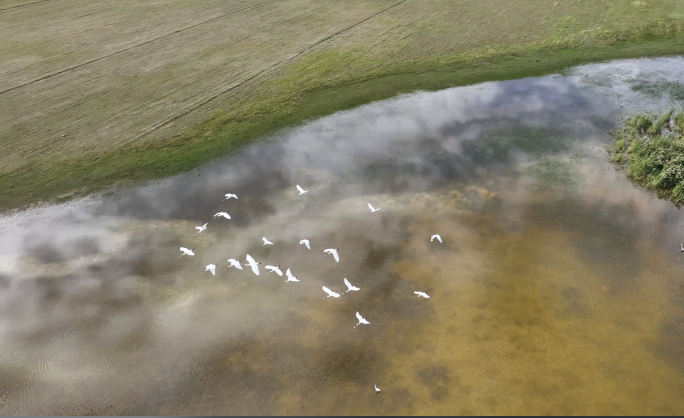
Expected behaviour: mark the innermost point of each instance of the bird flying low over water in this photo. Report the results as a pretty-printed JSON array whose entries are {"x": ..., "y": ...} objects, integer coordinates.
[
  {"x": 372, "y": 209},
  {"x": 330, "y": 293},
  {"x": 350, "y": 287},
  {"x": 201, "y": 228},
  {"x": 290, "y": 277},
  {"x": 437, "y": 237},
  {"x": 422, "y": 295},
  {"x": 229, "y": 195},
  {"x": 186, "y": 251},
  {"x": 333, "y": 251},
  {"x": 211, "y": 268},
  {"x": 234, "y": 263},
  {"x": 361, "y": 319},
  {"x": 301, "y": 191},
  {"x": 224, "y": 214},
  {"x": 305, "y": 242},
  {"x": 266, "y": 242},
  {"x": 253, "y": 264},
  {"x": 274, "y": 269}
]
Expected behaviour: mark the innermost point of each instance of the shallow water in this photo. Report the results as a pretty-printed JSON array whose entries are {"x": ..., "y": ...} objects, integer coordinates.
[{"x": 558, "y": 288}]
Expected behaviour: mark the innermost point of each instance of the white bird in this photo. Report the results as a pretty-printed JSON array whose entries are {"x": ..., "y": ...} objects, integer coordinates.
[
  {"x": 224, "y": 214},
  {"x": 680, "y": 246},
  {"x": 372, "y": 209},
  {"x": 301, "y": 191},
  {"x": 422, "y": 295},
  {"x": 290, "y": 277},
  {"x": 330, "y": 293},
  {"x": 377, "y": 389},
  {"x": 201, "y": 228},
  {"x": 361, "y": 319},
  {"x": 350, "y": 287},
  {"x": 432, "y": 238},
  {"x": 305, "y": 242},
  {"x": 274, "y": 268},
  {"x": 253, "y": 264},
  {"x": 333, "y": 251},
  {"x": 186, "y": 251},
  {"x": 267, "y": 242},
  {"x": 229, "y": 195},
  {"x": 234, "y": 263},
  {"x": 211, "y": 268}
]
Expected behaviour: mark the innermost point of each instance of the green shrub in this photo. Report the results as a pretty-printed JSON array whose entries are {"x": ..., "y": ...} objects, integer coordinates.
[{"x": 655, "y": 158}]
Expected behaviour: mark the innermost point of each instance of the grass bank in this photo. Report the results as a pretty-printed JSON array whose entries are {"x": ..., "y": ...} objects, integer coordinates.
[
  {"x": 277, "y": 104},
  {"x": 651, "y": 148}
]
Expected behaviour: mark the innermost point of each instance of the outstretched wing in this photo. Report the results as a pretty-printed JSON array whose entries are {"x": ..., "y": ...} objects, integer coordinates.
[
  {"x": 299, "y": 188},
  {"x": 359, "y": 317},
  {"x": 337, "y": 257},
  {"x": 307, "y": 244},
  {"x": 370, "y": 207},
  {"x": 328, "y": 291},
  {"x": 349, "y": 285},
  {"x": 289, "y": 275}
]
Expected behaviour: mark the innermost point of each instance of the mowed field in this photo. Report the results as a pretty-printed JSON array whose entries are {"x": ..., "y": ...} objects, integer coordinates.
[{"x": 94, "y": 93}]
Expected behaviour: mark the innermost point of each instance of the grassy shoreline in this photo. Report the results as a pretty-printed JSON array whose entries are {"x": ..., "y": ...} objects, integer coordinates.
[
  {"x": 651, "y": 149},
  {"x": 137, "y": 163}
]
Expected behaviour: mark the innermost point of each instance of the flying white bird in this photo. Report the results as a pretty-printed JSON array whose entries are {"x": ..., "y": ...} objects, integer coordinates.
[
  {"x": 349, "y": 286},
  {"x": 211, "y": 268},
  {"x": 290, "y": 277},
  {"x": 361, "y": 319},
  {"x": 377, "y": 389},
  {"x": 224, "y": 214},
  {"x": 229, "y": 195},
  {"x": 436, "y": 236},
  {"x": 333, "y": 251},
  {"x": 680, "y": 246},
  {"x": 422, "y": 295},
  {"x": 330, "y": 293},
  {"x": 267, "y": 242},
  {"x": 234, "y": 263},
  {"x": 372, "y": 209},
  {"x": 186, "y": 251},
  {"x": 274, "y": 268},
  {"x": 301, "y": 191},
  {"x": 305, "y": 242},
  {"x": 253, "y": 264},
  {"x": 201, "y": 228}
]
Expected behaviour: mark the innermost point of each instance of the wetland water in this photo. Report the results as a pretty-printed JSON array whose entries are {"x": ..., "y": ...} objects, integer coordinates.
[{"x": 559, "y": 288}]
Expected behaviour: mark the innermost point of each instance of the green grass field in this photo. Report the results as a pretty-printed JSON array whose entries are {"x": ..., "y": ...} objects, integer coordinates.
[{"x": 103, "y": 93}]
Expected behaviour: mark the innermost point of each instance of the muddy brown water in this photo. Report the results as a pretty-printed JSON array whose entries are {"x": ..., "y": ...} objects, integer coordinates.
[{"x": 558, "y": 288}]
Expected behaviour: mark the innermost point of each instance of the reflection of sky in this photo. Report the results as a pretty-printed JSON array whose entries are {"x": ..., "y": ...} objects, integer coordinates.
[{"x": 72, "y": 273}]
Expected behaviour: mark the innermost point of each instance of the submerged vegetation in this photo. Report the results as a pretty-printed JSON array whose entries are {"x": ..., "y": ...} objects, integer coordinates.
[{"x": 651, "y": 147}]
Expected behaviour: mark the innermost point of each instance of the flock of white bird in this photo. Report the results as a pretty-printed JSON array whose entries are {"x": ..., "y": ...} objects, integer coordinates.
[{"x": 254, "y": 265}]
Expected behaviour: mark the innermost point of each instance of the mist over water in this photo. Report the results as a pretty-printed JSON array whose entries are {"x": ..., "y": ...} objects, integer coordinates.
[{"x": 557, "y": 289}]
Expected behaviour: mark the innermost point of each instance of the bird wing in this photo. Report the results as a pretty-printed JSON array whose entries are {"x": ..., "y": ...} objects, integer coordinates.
[
  {"x": 238, "y": 266},
  {"x": 328, "y": 291},
  {"x": 213, "y": 269},
  {"x": 359, "y": 317},
  {"x": 288, "y": 273},
  {"x": 370, "y": 207},
  {"x": 349, "y": 285},
  {"x": 278, "y": 272},
  {"x": 299, "y": 188},
  {"x": 328, "y": 251},
  {"x": 250, "y": 260},
  {"x": 265, "y": 240},
  {"x": 307, "y": 244},
  {"x": 337, "y": 257}
]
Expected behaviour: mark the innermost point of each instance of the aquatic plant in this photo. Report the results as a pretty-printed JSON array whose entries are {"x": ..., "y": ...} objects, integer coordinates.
[{"x": 651, "y": 148}]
